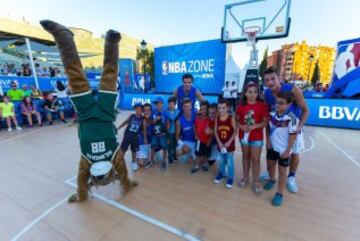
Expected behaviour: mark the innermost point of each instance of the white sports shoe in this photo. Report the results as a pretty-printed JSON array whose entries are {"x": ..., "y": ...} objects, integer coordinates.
[
  {"x": 264, "y": 176},
  {"x": 134, "y": 166},
  {"x": 291, "y": 185},
  {"x": 9, "y": 129},
  {"x": 18, "y": 128}
]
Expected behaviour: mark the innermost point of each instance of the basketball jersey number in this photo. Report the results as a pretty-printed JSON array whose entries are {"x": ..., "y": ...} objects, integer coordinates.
[
  {"x": 98, "y": 147},
  {"x": 134, "y": 128},
  {"x": 223, "y": 134}
]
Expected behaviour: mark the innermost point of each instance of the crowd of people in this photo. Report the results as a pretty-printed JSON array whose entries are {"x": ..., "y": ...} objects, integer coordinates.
[
  {"x": 11, "y": 69},
  {"x": 208, "y": 135},
  {"x": 201, "y": 137},
  {"x": 50, "y": 104}
]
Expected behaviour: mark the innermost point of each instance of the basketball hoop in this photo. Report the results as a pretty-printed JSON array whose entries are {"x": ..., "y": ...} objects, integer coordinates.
[{"x": 251, "y": 33}]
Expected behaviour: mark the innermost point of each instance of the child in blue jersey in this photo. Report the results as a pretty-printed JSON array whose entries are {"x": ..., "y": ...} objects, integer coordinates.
[
  {"x": 159, "y": 139},
  {"x": 185, "y": 134},
  {"x": 131, "y": 135},
  {"x": 171, "y": 116},
  {"x": 145, "y": 137}
]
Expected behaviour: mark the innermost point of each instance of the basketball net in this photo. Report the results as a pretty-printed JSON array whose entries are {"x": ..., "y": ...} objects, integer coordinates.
[{"x": 251, "y": 33}]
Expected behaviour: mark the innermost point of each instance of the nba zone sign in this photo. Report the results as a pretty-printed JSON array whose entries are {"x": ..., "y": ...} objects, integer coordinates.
[
  {"x": 204, "y": 60},
  {"x": 191, "y": 66}
]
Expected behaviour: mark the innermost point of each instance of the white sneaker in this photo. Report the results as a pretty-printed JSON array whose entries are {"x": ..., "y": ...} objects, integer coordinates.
[
  {"x": 18, "y": 128},
  {"x": 9, "y": 129},
  {"x": 291, "y": 185},
  {"x": 264, "y": 176},
  {"x": 134, "y": 166}
]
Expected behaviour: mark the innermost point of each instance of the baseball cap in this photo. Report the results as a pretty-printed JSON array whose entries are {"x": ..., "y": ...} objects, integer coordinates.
[
  {"x": 137, "y": 104},
  {"x": 159, "y": 99}
]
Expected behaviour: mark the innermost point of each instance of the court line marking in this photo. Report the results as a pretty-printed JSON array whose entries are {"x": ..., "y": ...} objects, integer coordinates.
[
  {"x": 180, "y": 233},
  {"x": 24, "y": 134},
  {"x": 38, "y": 219},
  {"x": 341, "y": 150}
]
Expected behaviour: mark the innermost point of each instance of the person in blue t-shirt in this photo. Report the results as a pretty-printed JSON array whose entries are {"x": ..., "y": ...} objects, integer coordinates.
[
  {"x": 159, "y": 139},
  {"x": 171, "y": 116},
  {"x": 300, "y": 110},
  {"x": 187, "y": 91},
  {"x": 185, "y": 134}
]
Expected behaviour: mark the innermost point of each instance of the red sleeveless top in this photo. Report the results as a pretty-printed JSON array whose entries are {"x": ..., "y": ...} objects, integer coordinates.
[{"x": 225, "y": 131}]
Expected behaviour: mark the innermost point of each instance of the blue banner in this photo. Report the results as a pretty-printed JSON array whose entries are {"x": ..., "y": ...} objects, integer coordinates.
[
  {"x": 45, "y": 83},
  {"x": 130, "y": 99},
  {"x": 127, "y": 70},
  {"x": 204, "y": 60},
  {"x": 334, "y": 113}
]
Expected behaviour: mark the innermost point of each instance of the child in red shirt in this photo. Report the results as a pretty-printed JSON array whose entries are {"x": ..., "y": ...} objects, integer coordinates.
[
  {"x": 225, "y": 133},
  {"x": 252, "y": 116},
  {"x": 203, "y": 135}
]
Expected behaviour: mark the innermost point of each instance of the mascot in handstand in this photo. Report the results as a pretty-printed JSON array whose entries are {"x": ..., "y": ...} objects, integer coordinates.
[{"x": 101, "y": 159}]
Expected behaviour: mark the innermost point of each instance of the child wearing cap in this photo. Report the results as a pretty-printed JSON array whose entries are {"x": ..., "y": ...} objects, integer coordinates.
[
  {"x": 171, "y": 116},
  {"x": 159, "y": 141},
  {"x": 131, "y": 135}
]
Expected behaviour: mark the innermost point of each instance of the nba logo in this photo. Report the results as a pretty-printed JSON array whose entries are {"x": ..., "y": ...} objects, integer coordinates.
[{"x": 164, "y": 66}]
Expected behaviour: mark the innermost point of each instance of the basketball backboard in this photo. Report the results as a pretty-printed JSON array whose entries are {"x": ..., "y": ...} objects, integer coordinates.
[{"x": 271, "y": 18}]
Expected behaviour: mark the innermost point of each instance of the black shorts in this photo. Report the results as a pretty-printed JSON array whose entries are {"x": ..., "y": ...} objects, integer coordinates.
[
  {"x": 273, "y": 155},
  {"x": 131, "y": 140},
  {"x": 204, "y": 150}
]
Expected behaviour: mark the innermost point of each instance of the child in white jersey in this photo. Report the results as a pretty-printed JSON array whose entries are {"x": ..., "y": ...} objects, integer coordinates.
[{"x": 280, "y": 137}]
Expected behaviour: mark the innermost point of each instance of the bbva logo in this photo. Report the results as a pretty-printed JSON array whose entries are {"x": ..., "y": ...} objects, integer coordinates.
[{"x": 339, "y": 113}]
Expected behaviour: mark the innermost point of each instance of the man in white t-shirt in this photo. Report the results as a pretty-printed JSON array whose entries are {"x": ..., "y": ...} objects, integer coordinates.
[{"x": 281, "y": 134}]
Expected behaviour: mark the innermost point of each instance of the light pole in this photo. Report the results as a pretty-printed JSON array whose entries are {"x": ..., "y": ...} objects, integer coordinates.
[
  {"x": 292, "y": 66},
  {"x": 310, "y": 60},
  {"x": 143, "y": 47}
]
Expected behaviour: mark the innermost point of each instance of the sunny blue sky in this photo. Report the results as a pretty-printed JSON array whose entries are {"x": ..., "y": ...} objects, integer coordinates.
[{"x": 165, "y": 22}]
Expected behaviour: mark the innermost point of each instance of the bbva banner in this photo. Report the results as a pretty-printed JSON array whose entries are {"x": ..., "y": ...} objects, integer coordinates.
[
  {"x": 334, "y": 113},
  {"x": 204, "y": 60}
]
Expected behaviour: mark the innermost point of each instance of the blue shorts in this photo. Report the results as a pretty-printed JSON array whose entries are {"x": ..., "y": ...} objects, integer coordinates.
[
  {"x": 48, "y": 112},
  {"x": 159, "y": 142},
  {"x": 252, "y": 143}
]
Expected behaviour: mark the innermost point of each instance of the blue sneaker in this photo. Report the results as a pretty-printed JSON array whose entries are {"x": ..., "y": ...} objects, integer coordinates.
[
  {"x": 269, "y": 185},
  {"x": 219, "y": 178},
  {"x": 229, "y": 183},
  {"x": 277, "y": 200}
]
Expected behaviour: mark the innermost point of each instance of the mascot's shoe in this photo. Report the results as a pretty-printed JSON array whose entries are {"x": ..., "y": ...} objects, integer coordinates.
[
  {"x": 64, "y": 39},
  {"x": 74, "y": 198}
]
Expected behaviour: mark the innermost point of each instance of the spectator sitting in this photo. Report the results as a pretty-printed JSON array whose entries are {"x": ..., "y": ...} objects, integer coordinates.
[
  {"x": 14, "y": 93},
  {"x": 60, "y": 90},
  {"x": 27, "y": 91},
  {"x": 36, "y": 93},
  {"x": 28, "y": 109},
  {"x": 7, "y": 112},
  {"x": 51, "y": 105},
  {"x": 26, "y": 70}
]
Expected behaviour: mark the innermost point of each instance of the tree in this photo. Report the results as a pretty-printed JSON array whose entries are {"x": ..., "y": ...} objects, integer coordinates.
[
  {"x": 263, "y": 64},
  {"x": 316, "y": 76}
]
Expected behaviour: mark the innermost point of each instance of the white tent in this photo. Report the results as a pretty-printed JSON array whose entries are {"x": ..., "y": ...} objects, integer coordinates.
[{"x": 233, "y": 72}]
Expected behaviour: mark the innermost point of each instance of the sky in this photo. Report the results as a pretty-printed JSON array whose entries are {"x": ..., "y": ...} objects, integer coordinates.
[{"x": 167, "y": 22}]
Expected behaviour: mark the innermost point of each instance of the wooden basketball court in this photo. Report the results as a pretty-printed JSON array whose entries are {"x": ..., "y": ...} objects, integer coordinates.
[{"x": 38, "y": 167}]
